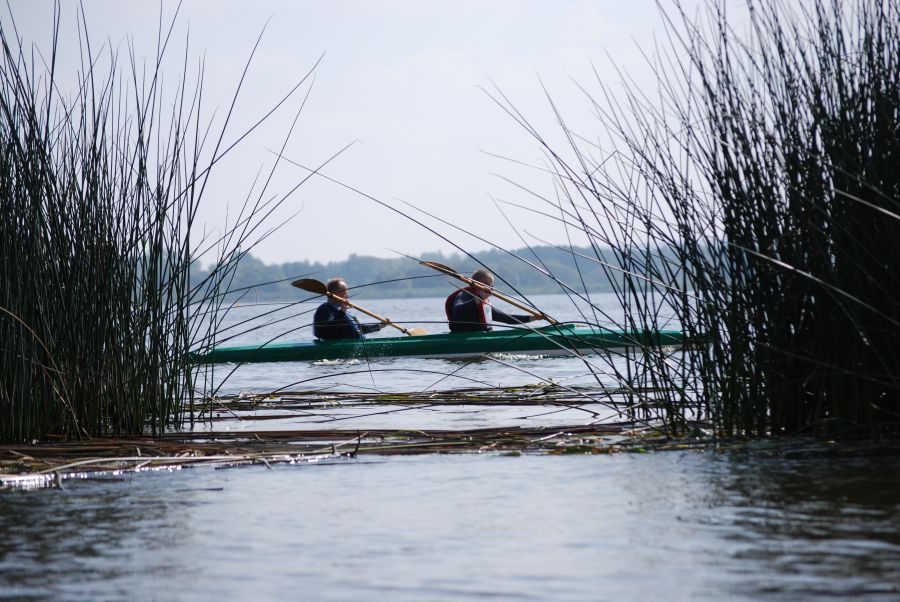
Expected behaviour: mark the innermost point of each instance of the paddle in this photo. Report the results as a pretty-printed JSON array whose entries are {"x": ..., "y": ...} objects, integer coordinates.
[
  {"x": 440, "y": 267},
  {"x": 315, "y": 286}
]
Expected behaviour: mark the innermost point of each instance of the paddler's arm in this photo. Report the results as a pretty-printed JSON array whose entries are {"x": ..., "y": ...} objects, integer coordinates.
[
  {"x": 502, "y": 316},
  {"x": 368, "y": 328}
]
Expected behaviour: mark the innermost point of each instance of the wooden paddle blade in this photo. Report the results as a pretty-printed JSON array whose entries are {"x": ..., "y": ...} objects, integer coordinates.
[
  {"x": 416, "y": 332},
  {"x": 311, "y": 285},
  {"x": 440, "y": 267}
]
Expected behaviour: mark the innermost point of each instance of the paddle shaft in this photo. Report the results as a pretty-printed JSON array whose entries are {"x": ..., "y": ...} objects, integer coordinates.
[
  {"x": 450, "y": 272},
  {"x": 381, "y": 319},
  {"x": 320, "y": 288}
]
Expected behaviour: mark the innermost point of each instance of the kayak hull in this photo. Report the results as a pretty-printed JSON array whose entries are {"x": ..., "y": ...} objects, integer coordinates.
[{"x": 549, "y": 341}]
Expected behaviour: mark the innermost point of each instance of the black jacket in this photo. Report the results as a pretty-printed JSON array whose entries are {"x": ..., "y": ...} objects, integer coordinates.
[
  {"x": 467, "y": 312},
  {"x": 331, "y": 322}
]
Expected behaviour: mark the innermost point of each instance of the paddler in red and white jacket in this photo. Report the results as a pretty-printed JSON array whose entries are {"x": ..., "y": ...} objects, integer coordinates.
[{"x": 469, "y": 309}]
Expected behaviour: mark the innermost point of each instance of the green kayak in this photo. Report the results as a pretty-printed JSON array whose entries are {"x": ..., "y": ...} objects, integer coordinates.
[{"x": 548, "y": 341}]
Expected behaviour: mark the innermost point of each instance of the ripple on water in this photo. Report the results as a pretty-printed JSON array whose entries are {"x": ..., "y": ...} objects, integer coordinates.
[{"x": 675, "y": 526}]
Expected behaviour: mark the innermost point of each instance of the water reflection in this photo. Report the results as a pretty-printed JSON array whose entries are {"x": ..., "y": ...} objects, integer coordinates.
[
  {"x": 826, "y": 527},
  {"x": 88, "y": 540}
]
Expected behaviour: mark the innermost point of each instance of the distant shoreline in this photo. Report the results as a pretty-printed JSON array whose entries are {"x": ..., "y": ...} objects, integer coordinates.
[
  {"x": 361, "y": 297},
  {"x": 397, "y": 278}
]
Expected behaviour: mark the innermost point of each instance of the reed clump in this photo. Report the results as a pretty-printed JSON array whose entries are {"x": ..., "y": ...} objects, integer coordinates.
[
  {"x": 94, "y": 261},
  {"x": 99, "y": 192},
  {"x": 756, "y": 202}
]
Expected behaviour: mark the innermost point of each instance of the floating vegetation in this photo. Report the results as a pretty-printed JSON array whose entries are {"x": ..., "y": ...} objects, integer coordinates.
[
  {"x": 554, "y": 403},
  {"x": 49, "y": 464},
  {"x": 547, "y": 393}
]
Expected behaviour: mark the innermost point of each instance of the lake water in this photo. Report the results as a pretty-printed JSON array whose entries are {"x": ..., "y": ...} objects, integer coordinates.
[{"x": 748, "y": 525}]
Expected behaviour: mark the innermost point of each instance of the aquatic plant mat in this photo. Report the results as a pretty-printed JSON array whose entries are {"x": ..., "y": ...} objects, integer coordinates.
[{"x": 48, "y": 463}]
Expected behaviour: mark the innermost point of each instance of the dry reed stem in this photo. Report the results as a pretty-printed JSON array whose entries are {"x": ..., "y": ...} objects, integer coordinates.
[{"x": 34, "y": 464}]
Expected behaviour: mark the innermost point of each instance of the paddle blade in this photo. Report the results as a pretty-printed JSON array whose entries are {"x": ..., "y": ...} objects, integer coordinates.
[
  {"x": 311, "y": 285},
  {"x": 440, "y": 267},
  {"x": 416, "y": 332}
]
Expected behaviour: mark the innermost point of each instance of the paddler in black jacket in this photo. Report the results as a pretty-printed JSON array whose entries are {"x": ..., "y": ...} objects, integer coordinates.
[
  {"x": 469, "y": 309},
  {"x": 332, "y": 319}
]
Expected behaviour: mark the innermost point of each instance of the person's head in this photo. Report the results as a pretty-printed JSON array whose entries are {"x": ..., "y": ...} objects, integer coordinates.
[
  {"x": 338, "y": 287},
  {"x": 484, "y": 277}
]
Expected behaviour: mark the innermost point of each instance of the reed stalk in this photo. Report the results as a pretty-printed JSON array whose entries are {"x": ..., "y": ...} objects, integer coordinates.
[
  {"x": 99, "y": 193},
  {"x": 756, "y": 201}
]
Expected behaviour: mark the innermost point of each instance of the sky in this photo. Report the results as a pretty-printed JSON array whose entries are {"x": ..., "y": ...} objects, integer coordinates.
[{"x": 407, "y": 84}]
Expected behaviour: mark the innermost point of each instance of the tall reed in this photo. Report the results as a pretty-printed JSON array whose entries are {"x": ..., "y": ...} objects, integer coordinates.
[
  {"x": 757, "y": 198},
  {"x": 99, "y": 193}
]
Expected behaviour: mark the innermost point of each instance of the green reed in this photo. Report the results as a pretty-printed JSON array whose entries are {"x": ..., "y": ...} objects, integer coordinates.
[
  {"x": 99, "y": 193},
  {"x": 757, "y": 199}
]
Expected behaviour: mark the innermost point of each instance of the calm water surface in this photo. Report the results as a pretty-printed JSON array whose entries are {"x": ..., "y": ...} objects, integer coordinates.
[{"x": 673, "y": 526}]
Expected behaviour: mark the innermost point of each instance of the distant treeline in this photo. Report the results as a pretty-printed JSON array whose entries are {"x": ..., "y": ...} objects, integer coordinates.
[{"x": 374, "y": 277}]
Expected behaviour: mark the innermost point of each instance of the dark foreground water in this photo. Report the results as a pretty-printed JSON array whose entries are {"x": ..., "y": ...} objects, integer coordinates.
[
  {"x": 664, "y": 526},
  {"x": 660, "y": 526}
]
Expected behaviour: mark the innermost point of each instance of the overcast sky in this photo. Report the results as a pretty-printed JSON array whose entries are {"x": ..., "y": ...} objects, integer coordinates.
[{"x": 402, "y": 78}]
